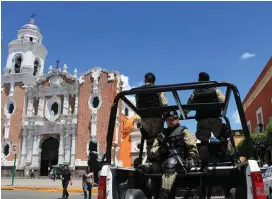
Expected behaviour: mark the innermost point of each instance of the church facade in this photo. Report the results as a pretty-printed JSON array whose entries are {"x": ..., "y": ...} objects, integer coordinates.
[{"x": 49, "y": 118}]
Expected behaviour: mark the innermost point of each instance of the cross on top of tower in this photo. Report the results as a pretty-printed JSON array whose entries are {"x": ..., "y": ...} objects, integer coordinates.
[
  {"x": 33, "y": 15},
  {"x": 32, "y": 20},
  {"x": 57, "y": 66}
]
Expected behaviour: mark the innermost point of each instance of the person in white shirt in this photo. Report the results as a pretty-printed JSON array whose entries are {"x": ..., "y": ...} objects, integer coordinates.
[{"x": 87, "y": 182}]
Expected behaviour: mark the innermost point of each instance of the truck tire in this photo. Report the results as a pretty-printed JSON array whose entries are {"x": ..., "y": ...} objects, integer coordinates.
[
  {"x": 232, "y": 194},
  {"x": 135, "y": 194}
]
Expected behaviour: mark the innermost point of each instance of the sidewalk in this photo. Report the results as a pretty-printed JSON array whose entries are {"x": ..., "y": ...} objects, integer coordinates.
[{"x": 46, "y": 185}]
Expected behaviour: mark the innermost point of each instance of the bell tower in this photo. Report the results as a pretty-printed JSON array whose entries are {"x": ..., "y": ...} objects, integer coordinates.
[{"x": 26, "y": 54}]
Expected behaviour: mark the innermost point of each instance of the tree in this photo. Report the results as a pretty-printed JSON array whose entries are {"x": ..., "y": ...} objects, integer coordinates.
[{"x": 258, "y": 144}]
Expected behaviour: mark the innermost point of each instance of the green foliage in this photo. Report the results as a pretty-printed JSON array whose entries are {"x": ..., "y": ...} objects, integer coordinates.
[
  {"x": 257, "y": 145},
  {"x": 268, "y": 130}
]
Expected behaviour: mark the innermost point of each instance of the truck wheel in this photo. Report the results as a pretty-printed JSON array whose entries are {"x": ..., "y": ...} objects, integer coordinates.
[
  {"x": 232, "y": 194},
  {"x": 135, "y": 194}
]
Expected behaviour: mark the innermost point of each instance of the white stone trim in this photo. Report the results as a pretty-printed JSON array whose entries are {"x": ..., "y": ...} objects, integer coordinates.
[
  {"x": 81, "y": 163},
  {"x": 9, "y": 102},
  {"x": 259, "y": 111},
  {"x": 90, "y": 102},
  {"x": 249, "y": 125},
  {"x": 55, "y": 72},
  {"x": 48, "y": 106},
  {"x": 258, "y": 89}
]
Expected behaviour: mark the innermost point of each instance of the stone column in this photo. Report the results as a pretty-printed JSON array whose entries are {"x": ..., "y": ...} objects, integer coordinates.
[
  {"x": 35, "y": 152},
  {"x": 76, "y": 105},
  {"x": 29, "y": 148},
  {"x": 30, "y": 106},
  {"x": 66, "y": 104},
  {"x": 73, "y": 150},
  {"x": 61, "y": 152},
  {"x": 23, "y": 150},
  {"x": 41, "y": 106},
  {"x": 67, "y": 148},
  {"x": 93, "y": 125}
]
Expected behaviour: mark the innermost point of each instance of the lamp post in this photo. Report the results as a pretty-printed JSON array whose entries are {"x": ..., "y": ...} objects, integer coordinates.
[
  {"x": 260, "y": 125},
  {"x": 14, "y": 150}
]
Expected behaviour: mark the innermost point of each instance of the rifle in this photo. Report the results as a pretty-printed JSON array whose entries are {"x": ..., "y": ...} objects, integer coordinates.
[{"x": 173, "y": 152}]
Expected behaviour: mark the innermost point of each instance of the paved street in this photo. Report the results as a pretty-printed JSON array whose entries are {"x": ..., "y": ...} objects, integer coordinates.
[
  {"x": 40, "y": 183},
  {"x": 38, "y": 195}
]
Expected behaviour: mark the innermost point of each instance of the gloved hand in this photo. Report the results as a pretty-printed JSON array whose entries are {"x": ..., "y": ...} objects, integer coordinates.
[
  {"x": 189, "y": 164},
  {"x": 143, "y": 168}
]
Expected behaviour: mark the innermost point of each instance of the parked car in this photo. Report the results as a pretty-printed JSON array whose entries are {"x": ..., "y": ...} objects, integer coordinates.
[{"x": 267, "y": 179}]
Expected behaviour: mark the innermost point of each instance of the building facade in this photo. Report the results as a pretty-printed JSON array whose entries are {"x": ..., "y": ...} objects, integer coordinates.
[
  {"x": 51, "y": 117},
  {"x": 258, "y": 102}
]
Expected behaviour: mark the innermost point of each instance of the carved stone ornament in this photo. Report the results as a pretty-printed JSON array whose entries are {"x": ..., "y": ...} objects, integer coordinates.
[{"x": 56, "y": 81}]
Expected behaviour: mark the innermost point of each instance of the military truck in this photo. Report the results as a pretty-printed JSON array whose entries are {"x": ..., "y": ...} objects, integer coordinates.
[{"x": 226, "y": 179}]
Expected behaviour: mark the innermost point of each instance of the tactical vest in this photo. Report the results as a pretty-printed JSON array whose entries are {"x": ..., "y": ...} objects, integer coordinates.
[
  {"x": 176, "y": 140},
  {"x": 207, "y": 95},
  {"x": 148, "y": 100}
]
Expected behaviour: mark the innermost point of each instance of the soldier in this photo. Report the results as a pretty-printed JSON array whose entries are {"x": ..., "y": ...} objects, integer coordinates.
[
  {"x": 208, "y": 120},
  {"x": 182, "y": 140},
  {"x": 151, "y": 123}
]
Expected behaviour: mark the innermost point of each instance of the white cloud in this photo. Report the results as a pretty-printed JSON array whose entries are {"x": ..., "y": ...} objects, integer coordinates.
[
  {"x": 236, "y": 117},
  {"x": 247, "y": 55},
  {"x": 127, "y": 86}
]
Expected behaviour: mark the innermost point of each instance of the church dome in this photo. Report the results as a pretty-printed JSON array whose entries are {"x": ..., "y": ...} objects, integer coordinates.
[{"x": 31, "y": 26}]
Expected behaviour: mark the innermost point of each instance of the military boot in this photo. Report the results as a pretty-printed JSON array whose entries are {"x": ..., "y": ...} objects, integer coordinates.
[{"x": 164, "y": 193}]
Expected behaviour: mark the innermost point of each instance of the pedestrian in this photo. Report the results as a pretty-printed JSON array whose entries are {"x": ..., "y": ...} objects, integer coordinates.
[
  {"x": 66, "y": 177},
  {"x": 152, "y": 123},
  {"x": 32, "y": 174},
  {"x": 87, "y": 182}
]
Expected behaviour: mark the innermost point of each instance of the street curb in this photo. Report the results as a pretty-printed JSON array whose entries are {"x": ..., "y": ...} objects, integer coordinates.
[{"x": 44, "y": 189}]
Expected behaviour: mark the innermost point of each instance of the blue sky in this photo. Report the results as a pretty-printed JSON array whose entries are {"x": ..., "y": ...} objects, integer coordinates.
[{"x": 175, "y": 40}]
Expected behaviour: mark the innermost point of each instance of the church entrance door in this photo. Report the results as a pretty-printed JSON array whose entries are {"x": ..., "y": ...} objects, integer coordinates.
[{"x": 49, "y": 155}]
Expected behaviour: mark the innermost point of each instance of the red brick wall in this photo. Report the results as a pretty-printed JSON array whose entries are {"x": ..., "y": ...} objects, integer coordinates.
[
  {"x": 83, "y": 119},
  {"x": 262, "y": 100},
  {"x": 108, "y": 92},
  {"x": 16, "y": 118}
]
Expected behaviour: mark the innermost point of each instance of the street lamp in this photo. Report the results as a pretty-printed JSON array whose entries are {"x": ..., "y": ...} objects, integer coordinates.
[{"x": 260, "y": 125}]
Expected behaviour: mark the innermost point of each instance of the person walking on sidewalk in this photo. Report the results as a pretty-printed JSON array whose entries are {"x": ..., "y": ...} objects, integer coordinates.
[
  {"x": 66, "y": 177},
  {"x": 87, "y": 182}
]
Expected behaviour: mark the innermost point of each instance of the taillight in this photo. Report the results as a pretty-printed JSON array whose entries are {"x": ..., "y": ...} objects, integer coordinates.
[
  {"x": 102, "y": 187},
  {"x": 257, "y": 185}
]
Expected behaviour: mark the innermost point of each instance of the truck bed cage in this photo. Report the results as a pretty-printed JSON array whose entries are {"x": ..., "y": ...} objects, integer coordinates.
[{"x": 174, "y": 88}]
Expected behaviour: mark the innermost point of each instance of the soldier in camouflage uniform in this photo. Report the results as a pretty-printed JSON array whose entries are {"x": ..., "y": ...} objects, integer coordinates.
[
  {"x": 208, "y": 120},
  {"x": 152, "y": 124},
  {"x": 183, "y": 141}
]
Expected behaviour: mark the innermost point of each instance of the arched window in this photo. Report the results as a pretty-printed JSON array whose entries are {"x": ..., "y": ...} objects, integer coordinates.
[
  {"x": 55, "y": 108},
  {"x": 126, "y": 111},
  {"x": 17, "y": 65},
  {"x": 96, "y": 102},
  {"x": 36, "y": 67},
  {"x": 6, "y": 150},
  {"x": 11, "y": 108}
]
